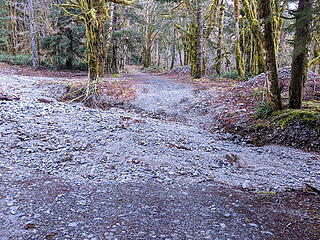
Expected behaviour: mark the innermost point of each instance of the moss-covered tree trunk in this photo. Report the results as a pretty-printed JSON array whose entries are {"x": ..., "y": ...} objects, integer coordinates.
[
  {"x": 249, "y": 51},
  {"x": 173, "y": 50},
  {"x": 95, "y": 38},
  {"x": 196, "y": 42},
  {"x": 32, "y": 35},
  {"x": 13, "y": 47},
  {"x": 239, "y": 58},
  {"x": 271, "y": 71},
  {"x": 299, "y": 65},
  {"x": 115, "y": 46},
  {"x": 250, "y": 11},
  {"x": 93, "y": 13},
  {"x": 219, "y": 57}
]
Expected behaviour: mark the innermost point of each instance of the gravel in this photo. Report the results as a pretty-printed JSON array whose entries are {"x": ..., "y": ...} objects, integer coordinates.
[
  {"x": 73, "y": 141},
  {"x": 51, "y": 150}
]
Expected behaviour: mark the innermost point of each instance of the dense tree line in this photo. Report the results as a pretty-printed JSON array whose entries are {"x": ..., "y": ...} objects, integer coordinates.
[{"x": 247, "y": 37}]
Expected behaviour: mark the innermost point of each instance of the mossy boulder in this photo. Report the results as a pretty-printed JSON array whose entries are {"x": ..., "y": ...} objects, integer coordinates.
[{"x": 306, "y": 116}]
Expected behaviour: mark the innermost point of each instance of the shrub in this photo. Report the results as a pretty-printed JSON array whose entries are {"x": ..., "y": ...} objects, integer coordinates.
[
  {"x": 263, "y": 110},
  {"x": 231, "y": 75},
  {"x": 21, "y": 59}
]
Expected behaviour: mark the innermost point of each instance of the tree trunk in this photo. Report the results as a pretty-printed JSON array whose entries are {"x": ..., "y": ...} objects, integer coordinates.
[
  {"x": 239, "y": 58},
  {"x": 271, "y": 70},
  {"x": 196, "y": 43},
  {"x": 95, "y": 39},
  {"x": 299, "y": 65},
  {"x": 115, "y": 47},
  {"x": 173, "y": 53},
  {"x": 70, "y": 49},
  {"x": 220, "y": 34},
  {"x": 251, "y": 15},
  {"x": 32, "y": 35},
  {"x": 13, "y": 48}
]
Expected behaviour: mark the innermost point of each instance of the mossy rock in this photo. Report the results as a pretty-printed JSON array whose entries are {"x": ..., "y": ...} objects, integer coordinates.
[
  {"x": 306, "y": 116},
  {"x": 116, "y": 75}
]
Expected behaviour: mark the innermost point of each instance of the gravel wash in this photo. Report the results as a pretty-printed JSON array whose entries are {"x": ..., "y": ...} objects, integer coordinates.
[
  {"x": 73, "y": 141},
  {"x": 63, "y": 156}
]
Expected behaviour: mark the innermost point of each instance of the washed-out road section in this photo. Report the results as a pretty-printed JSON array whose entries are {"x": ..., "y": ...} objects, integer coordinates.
[{"x": 149, "y": 170}]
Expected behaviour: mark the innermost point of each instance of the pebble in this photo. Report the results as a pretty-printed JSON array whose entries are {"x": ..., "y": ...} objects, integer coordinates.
[
  {"x": 246, "y": 184},
  {"x": 73, "y": 224},
  {"x": 223, "y": 226}
]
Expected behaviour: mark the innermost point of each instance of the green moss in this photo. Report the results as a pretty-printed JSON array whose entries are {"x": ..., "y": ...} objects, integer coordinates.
[
  {"x": 260, "y": 126},
  {"x": 267, "y": 193},
  {"x": 308, "y": 116},
  {"x": 312, "y": 104},
  {"x": 231, "y": 114},
  {"x": 116, "y": 75},
  {"x": 258, "y": 92}
]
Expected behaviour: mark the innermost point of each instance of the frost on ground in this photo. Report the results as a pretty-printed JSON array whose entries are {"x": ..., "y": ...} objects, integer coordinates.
[{"x": 159, "y": 141}]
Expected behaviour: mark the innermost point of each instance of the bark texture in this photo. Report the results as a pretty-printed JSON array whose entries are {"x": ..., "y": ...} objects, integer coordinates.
[
  {"x": 239, "y": 58},
  {"x": 220, "y": 36},
  {"x": 196, "y": 43},
  {"x": 32, "y": 35},
  {"x": 271, "y": 71},
  {"x": 299, "y": 66}
]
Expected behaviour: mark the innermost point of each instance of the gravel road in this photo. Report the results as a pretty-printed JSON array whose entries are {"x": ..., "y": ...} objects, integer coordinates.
[{"x": 147, "y": 171}]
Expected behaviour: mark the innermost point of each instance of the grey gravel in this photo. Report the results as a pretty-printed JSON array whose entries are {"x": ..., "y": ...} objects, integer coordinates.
[{"x": 156, "y": 138}]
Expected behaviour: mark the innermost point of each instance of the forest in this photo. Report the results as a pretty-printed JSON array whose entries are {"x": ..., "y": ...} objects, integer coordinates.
[
  {"x": 159, "y": 119},
  {"x": 241, "y": 38}
]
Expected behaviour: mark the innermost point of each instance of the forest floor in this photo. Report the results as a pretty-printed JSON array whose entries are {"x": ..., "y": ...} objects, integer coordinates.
[
  {"x": 236, "y": 106},
  {"x": 154, "y": 164}
]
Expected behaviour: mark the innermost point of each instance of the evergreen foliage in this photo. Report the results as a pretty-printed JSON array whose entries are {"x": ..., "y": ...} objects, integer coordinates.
[
  {"x": 65, "y": 48},
  {"x": 4, "y": 33}
]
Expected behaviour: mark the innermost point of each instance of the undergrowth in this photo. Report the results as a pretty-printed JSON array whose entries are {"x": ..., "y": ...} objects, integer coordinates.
[
  {"x": 20, "y": 59},
  {"x": 263, "y": 111}
]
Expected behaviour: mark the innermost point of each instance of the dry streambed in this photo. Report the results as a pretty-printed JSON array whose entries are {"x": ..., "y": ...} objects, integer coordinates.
[
  {"x": 140, "y": 143},
  {"x": 153, "y": 139}
]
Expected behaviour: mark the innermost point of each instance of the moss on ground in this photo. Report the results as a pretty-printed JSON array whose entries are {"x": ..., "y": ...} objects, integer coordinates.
[
  {"x": 261, "y": 126},
  {"x": 307, "y": 116},
  {"x": 116, "y": 75}
]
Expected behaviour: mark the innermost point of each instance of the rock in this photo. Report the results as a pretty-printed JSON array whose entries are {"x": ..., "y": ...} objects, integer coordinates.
[
  {"x": 46, "y": 100},
  {"x": 73, "y": 224},
  {"x": 8, "y": 98},
  {"x": 222, "y": 225},
  {"x": 246, "y": 184}
]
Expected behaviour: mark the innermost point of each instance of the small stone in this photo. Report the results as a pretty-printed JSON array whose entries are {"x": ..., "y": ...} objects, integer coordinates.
[
  {"x": 223, "y": 226},
  {"x": 73, "y": 224},
  {"x": 267, "y": 232},
  {"x": 10, "y": 204},
  {"x": 45, "y": 100},
  {"x": 246, "y": 184}
]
